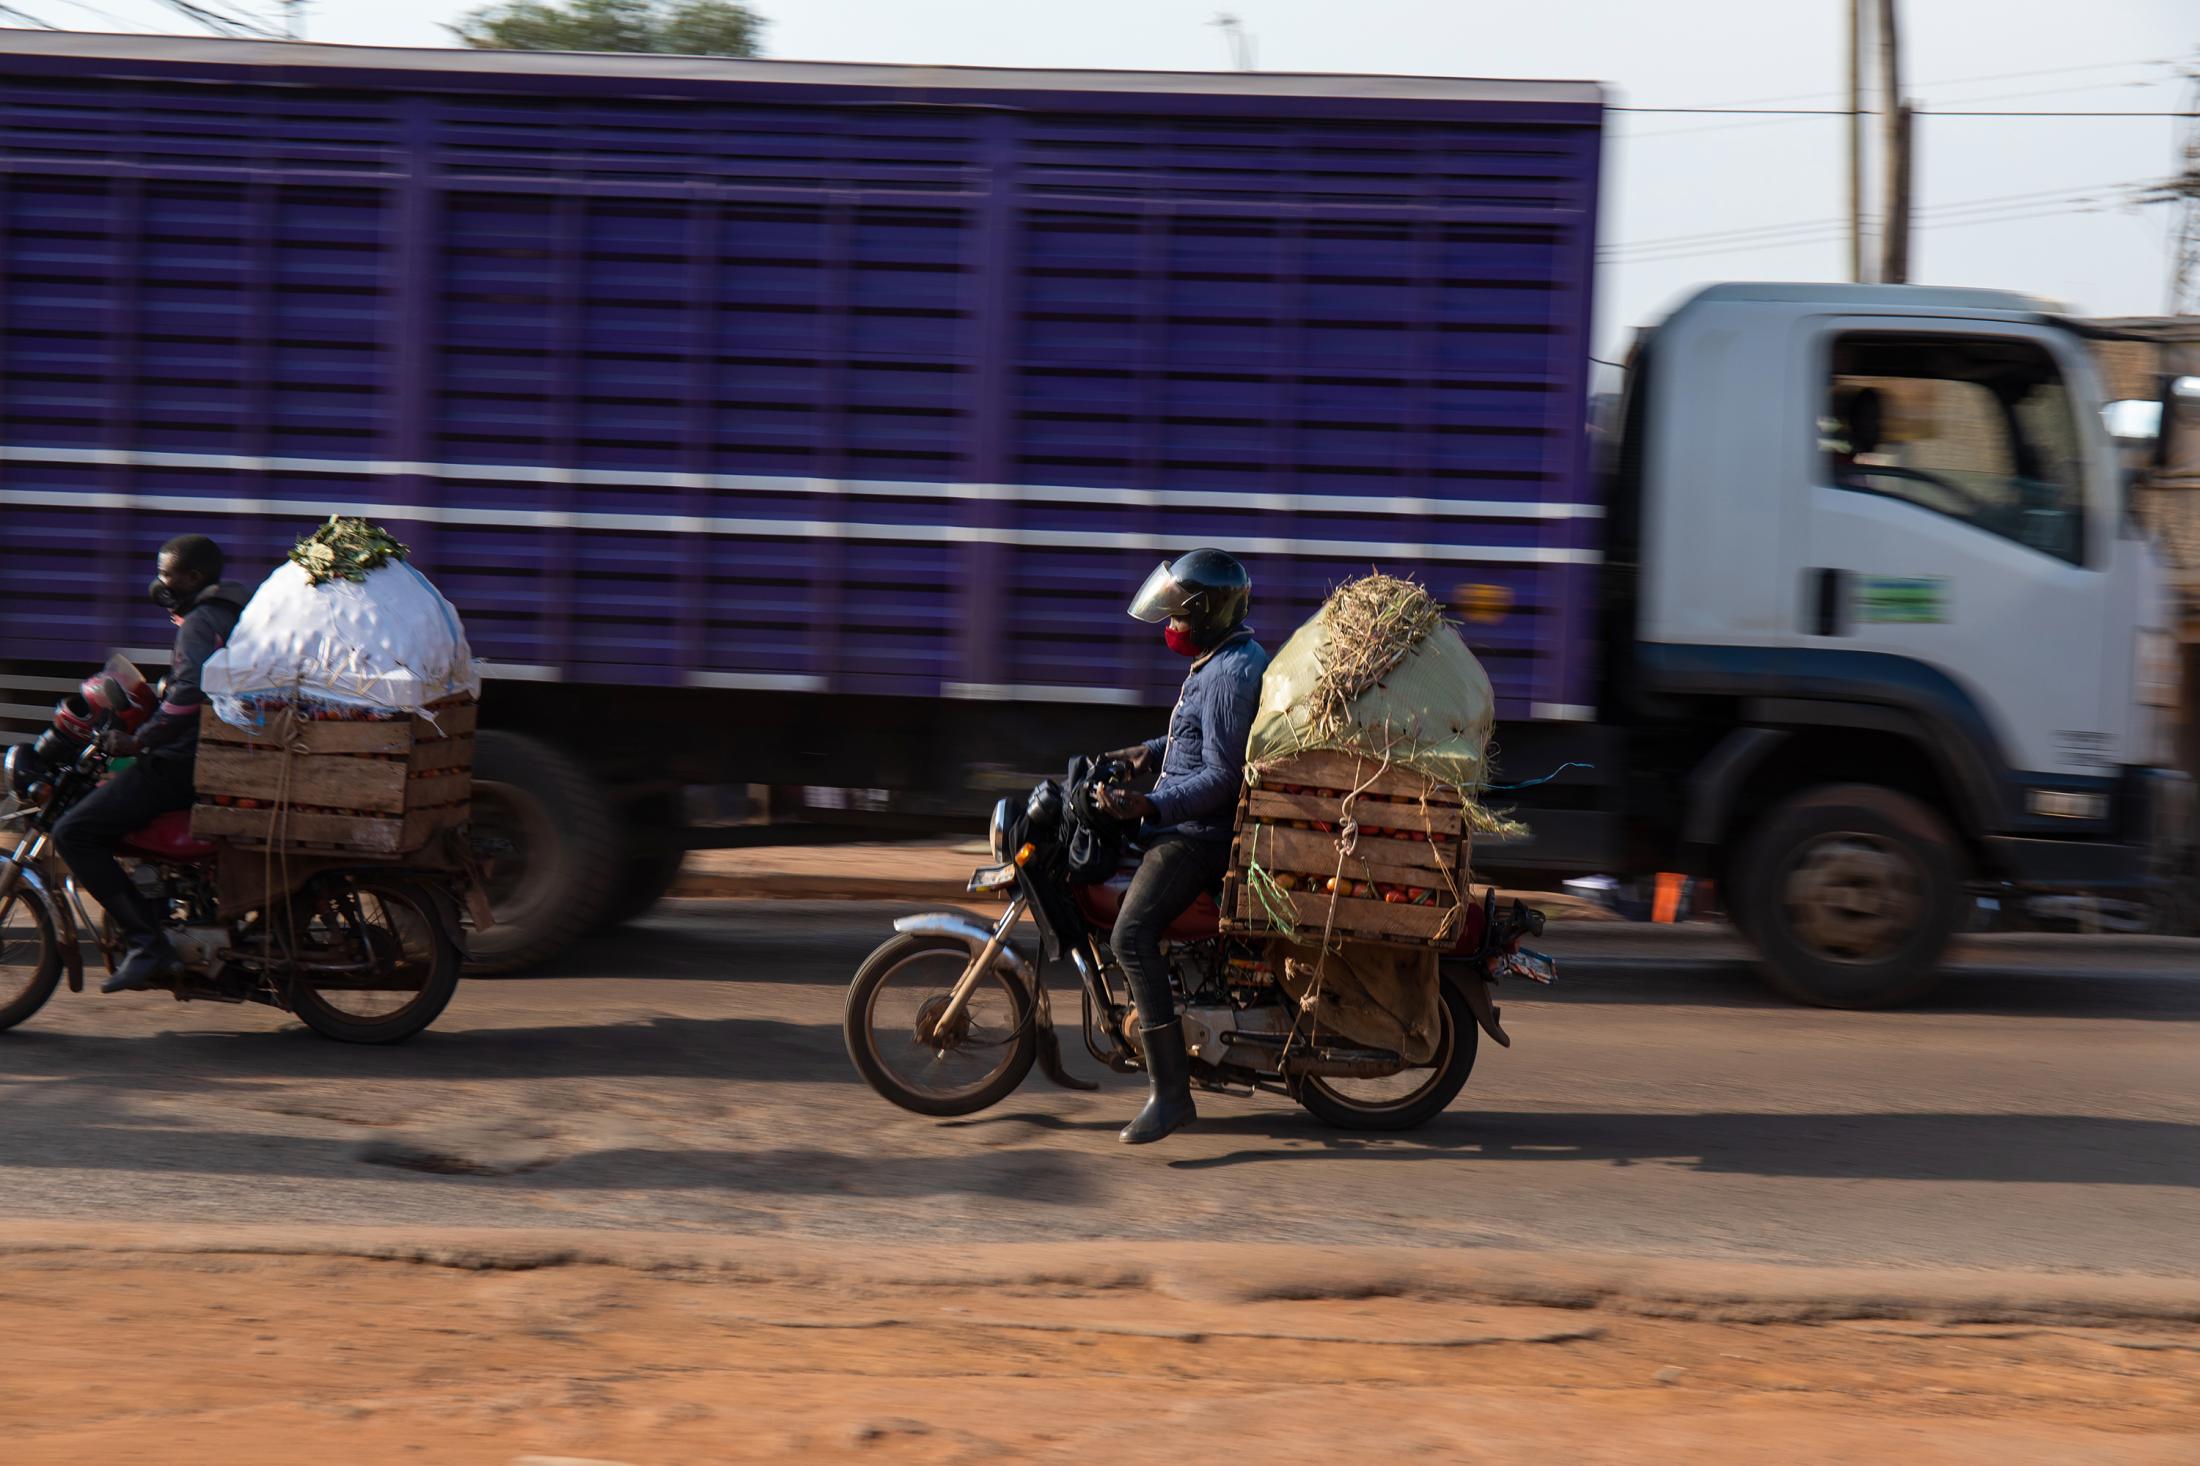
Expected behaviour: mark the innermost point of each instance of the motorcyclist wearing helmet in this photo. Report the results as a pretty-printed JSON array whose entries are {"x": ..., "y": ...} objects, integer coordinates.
[
  {"x": 204, "y": 608},
  {"x": 1202, "y": 598}
]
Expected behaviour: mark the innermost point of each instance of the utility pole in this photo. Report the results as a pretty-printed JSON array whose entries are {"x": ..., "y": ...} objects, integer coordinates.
[
  {"x": 1894, "y": 241},
  {"x": 1239, "y": 40},
  {"x": 1856, "y": 140},
  {"x": 2183, "y": 192}
]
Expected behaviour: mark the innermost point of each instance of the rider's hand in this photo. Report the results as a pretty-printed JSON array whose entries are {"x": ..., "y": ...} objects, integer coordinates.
[
  {"x": 1137, "y": 756},
  {"x": 117, "y": 744},
  {"x": 1124, "y": 804}
]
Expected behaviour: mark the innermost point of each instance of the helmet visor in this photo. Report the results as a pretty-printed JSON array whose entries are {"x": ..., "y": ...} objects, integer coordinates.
[{"x": 1160, "y": 597}]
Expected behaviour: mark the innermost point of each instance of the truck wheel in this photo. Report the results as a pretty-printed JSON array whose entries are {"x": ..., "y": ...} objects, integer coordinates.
[
  {"x": 549, "y": 851},
  {"x": 1852, "y": 895},
  {"x": 646, "y": 871}
]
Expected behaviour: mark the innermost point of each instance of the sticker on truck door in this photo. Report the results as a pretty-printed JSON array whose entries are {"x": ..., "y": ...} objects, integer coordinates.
[{"x": 1901, "y": 600}]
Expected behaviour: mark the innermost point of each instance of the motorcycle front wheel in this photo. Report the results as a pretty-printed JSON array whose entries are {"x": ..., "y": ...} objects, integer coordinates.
[
  {"x": 1410, "y": 1098},
  {"x": 891, "y": 1022},
  {"x": 404, "y": 928},
  {"x": 30, "y": 957}
]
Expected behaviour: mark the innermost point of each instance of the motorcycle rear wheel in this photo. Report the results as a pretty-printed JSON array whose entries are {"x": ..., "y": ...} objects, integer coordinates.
[
  {"x": 1397, "y": 1103},
  {"x": 908, "y": 980},
  {"x": 411, "y": 920},
  {"x": 30, "y": 957}
]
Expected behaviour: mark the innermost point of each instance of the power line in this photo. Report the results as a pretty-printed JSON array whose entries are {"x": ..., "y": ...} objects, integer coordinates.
[
  {"x": 1834, "y": 234},
  {"x": 222, "y": 24},
  {"x": 107, "y": 15},
  {"x": 1977, "y": 211},
  {"x": 1952, "y": 207},
  {"x": 1957, "y": 81},
  {"x": 1788, "y": 120},
  {"x": 1844, "y": 112},
  {"x": 27, "y": 18}
]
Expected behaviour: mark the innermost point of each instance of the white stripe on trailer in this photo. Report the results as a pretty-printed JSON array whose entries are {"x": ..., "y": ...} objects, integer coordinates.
[
  {"x": 801, "y": 528},
  {"x": 611, "y": 478},
  {"x": 1037, "y": 692},
  {"x": 759, "y": 681}
]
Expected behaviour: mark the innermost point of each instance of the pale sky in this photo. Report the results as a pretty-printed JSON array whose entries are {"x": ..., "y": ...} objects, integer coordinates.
[{"x": 2025, "y": 203}]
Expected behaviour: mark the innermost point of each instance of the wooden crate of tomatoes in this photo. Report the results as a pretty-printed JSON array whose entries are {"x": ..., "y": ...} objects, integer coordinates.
[
  {"x": 323, "y": 778},
  {"x": 1331, "y": 845}
]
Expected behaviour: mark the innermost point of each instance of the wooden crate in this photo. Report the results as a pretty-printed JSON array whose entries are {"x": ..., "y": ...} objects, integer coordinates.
[
  {"x": 358, "y": 788},
  {"x": 1271, "y": 833}
]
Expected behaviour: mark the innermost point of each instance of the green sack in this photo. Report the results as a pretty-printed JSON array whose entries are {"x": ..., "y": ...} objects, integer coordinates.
[{"x": 1376, "y": 672}]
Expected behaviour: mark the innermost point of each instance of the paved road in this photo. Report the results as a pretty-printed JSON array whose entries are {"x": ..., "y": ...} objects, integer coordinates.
[{"x": 688, "y": 1074}]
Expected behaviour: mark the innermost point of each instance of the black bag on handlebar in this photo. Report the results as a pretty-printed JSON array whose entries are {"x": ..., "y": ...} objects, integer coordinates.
[{"x": 1092, "y": 839}]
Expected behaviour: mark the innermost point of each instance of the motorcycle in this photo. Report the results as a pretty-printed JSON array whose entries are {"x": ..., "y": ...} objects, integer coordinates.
[
  {"x": 948, "y": 1017},
  {"x": 362, "y": 954}
]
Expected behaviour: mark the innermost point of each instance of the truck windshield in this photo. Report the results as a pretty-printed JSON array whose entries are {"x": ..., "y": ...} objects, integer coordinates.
[{"x": 1981, "y": 429}]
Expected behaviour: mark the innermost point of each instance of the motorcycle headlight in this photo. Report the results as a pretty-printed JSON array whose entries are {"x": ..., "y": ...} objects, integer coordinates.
[{"x": 1004, "y": 815}]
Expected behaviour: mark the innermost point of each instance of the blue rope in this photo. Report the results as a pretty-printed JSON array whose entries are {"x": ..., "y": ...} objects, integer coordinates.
[{"x": 1531, "y": 783}]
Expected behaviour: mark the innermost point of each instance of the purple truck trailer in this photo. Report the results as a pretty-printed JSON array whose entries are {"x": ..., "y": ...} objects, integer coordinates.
[{"x": 807, "y": 426}]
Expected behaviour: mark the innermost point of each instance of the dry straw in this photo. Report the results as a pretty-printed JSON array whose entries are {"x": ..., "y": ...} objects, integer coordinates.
[{"x": 1374, "y": 624}]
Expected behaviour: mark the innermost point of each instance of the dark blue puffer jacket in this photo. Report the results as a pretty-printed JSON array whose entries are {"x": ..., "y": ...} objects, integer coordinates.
[{"x": 1203, "y": 754}]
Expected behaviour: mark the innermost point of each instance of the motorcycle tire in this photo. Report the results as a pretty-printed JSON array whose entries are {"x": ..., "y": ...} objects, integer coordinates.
[
  {"x": 1456, "y": 1045},
  {"x": 868, "y": 1051},
  {"x": 444, "y": 959},
  {"x": 45, "y": 971}
]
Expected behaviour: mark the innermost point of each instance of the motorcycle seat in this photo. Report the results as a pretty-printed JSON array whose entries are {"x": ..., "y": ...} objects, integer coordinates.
[
  {"x": 1101, "y": 903},
  {"x": 169, "y": 837}
]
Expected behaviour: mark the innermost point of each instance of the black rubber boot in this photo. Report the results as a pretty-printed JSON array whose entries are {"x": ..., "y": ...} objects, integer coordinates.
[
  {"x": 1169, "y": 1108},
  {"x": 147, "y": 958}
]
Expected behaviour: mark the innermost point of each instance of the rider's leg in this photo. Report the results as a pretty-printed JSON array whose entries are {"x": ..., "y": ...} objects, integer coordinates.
[
  {"x": 87, "y": 838},
  {"x": 1170, "y": 878}
]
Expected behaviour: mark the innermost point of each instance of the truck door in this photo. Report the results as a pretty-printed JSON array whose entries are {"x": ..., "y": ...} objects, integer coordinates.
[{"x": 1960, "y": 520}]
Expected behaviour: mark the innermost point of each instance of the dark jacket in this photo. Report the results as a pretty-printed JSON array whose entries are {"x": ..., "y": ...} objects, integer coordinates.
[
  {"x": 173, "y": 731},
  {"x": 1203, "y": 754}
]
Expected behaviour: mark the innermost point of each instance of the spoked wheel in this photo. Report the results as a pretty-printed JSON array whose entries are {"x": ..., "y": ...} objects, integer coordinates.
[
  {"x": 398, "y": 932},
  {"x": 30, "y": 957},
  {"x": 894, "y": 1035},
  {"x": 1409, "y": 1098}
]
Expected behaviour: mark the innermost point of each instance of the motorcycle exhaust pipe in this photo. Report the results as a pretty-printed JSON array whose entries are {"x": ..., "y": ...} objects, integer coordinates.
[{"x": 1326, "y": 1061}]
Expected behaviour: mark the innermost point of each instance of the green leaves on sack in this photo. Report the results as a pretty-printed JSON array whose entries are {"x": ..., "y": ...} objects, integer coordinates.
[{"x": 345, "y": 549}]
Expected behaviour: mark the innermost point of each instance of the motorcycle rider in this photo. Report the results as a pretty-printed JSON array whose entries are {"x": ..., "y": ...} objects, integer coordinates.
[
  {"x": 1188, "y": 817},
  {"x": 204, "y": 608}
]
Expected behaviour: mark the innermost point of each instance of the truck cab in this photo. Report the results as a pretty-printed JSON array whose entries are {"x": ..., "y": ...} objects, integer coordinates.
[{"x": 1885, "y": 616}]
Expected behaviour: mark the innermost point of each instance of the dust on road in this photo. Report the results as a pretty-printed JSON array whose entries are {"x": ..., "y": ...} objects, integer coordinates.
[
  {"x": 686, "y": 1079},
  {"x": 689, "y": 1073},
  {"x": 1056, "y": 1354}
]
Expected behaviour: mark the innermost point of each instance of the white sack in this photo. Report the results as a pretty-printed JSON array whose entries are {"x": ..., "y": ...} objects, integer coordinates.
[{"x": 388, "y": 641}]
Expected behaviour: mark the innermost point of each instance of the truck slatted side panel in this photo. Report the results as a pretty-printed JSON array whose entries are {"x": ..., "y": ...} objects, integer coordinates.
[{"x": 737, "y": 387}]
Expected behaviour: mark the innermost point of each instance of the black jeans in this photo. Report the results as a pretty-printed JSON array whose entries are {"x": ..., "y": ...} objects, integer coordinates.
[
  {"x": 89, "y": 834},
  {"x": 1175, "y": 870}
]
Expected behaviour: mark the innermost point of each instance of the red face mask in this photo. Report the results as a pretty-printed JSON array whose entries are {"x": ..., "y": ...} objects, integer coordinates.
[{"x": 1180, "y": 642}]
